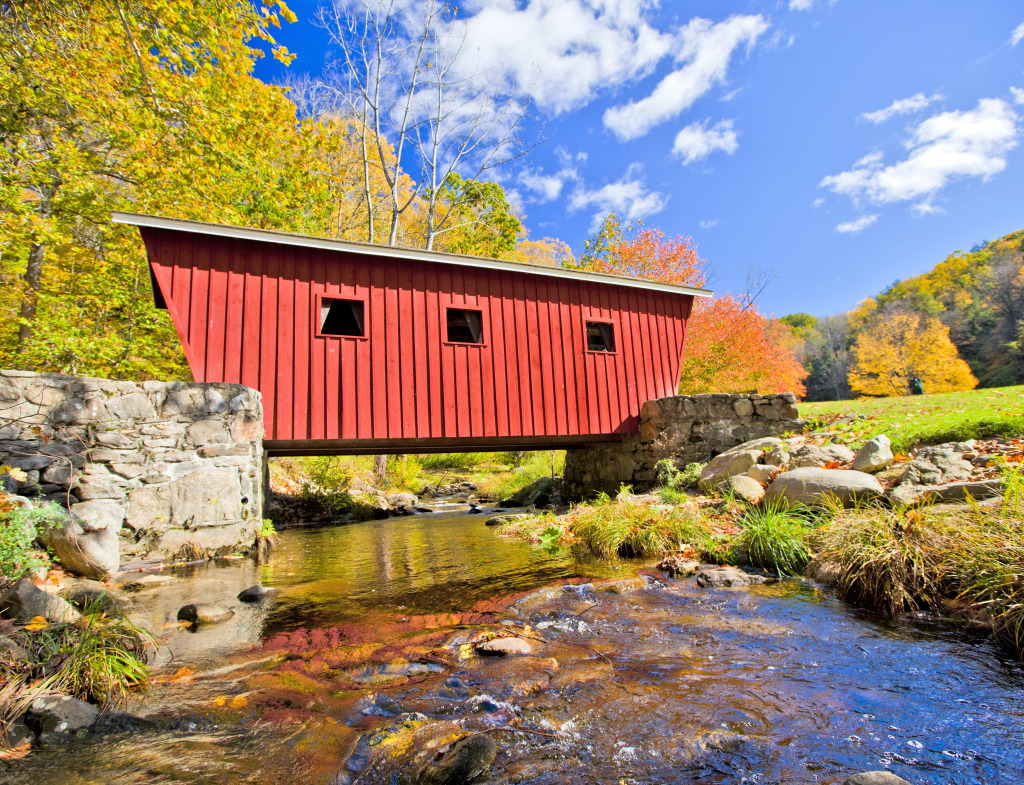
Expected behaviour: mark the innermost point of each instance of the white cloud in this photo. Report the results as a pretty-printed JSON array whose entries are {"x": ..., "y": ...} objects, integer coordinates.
[
  {"x": 560, "y": 53},
  {"x": 1018, "y": 35},
  {"x": 800, "y": 5},
  {"x": 1018, "y": 95},
  {"x": 697, "y": 141},
  {"x": 628, "y": 197},
  {"x": 902, "y": 106},
  {"x": 943, "y": 148},
  {"x": 544, "y": 187},
  {"x": 818, "y": 202},
  {"x": 709, "y": 224},
  {"x": 857, "y": 225},
  {"x": 705, "y": 50}
]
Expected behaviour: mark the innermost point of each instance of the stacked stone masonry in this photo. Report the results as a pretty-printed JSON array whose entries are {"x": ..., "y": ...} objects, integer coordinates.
[
  {"x": 170, "y": 467},
  {"x": 682, "y": 429}
]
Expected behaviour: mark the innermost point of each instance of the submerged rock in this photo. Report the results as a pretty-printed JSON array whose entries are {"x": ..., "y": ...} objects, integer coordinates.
[
  {"x": 462, "y": 762},
  {"x": 256, "y": 593},
  {"x": 723, "y": 577},
  {"x": 53, "y": 716},
  {"x": 677, "y": 567},
  {"x": 204, "y": 613},
  {"x": 501, "y": 520},
  {"x": 148, "y": 582},
  {"x": 875, "y": 778},
  {"x": 87, "y": 592},
  {"x": 506, "y": 647},
  {"x": 24, "y": 601}
]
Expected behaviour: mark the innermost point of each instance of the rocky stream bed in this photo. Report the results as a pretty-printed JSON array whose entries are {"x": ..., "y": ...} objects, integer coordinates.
[{"x": 425, "y": 649}]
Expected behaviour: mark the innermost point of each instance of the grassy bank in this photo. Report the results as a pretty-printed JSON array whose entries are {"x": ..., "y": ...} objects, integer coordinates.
[{"x": 923, "y": 419}]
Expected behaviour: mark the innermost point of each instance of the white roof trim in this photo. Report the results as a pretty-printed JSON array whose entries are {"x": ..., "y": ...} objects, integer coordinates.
[{"x": 366, "y": 249}]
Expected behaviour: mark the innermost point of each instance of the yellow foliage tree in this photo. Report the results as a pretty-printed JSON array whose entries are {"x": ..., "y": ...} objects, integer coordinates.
[{"x": 897, "y": 345}]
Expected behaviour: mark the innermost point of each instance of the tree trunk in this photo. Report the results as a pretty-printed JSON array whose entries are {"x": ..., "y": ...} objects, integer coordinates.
[
  {"x": 33, "y": 280},
  {"x": 380, "y": 470}
]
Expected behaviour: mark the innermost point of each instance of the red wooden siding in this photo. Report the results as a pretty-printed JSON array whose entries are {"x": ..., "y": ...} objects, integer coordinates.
[{"x": 248, "y": 311}]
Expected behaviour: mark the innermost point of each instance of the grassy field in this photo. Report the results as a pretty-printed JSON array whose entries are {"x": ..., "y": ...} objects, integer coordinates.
[{"x": 924, "y": 419}]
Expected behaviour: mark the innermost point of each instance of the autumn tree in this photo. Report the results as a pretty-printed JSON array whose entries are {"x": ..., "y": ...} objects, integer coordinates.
[
  {"x": 149, "y": 106},
  {"x": 730, "y": 346},
  {"x": 898, "y": 344},
  {"x": 822, "y": 346}
]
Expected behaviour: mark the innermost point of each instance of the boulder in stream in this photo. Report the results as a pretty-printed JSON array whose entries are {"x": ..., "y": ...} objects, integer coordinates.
[
  {"x": 506, "y": 647},
  {"x": 24, "y": 601},
  {"x": 727, "y": 577},
  {"x": 53, "y": 716},
  {"x": 875, "y": 778},
  {"x": 204, "y": 613},
  {"x": 255, "y": 593}
]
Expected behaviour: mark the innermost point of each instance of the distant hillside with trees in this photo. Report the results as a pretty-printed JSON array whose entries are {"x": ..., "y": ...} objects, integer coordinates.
[{"x": 955, "y": 327}]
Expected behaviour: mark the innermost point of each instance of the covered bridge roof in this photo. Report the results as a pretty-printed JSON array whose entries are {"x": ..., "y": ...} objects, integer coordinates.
[{"x": 396, "y": 252}]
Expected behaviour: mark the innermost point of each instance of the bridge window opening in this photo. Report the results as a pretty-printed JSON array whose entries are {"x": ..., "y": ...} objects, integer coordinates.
[
  {"x": 465, "y": 326},
  {"x": 600, "y": 337},
  {"x": 342, "y": 317}
]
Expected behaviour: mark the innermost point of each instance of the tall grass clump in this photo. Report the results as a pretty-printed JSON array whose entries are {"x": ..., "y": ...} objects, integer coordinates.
[
  {"x": 776, "y": 537},
  {"x": 98, "y": 658},
  {"x": 634, "y": 529},
  {"x": 890, "y": 560},
  {"x": 532, "y": 466}
]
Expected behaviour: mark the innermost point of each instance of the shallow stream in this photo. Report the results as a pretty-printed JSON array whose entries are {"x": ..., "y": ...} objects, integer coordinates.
[{"x": 655, "y": 681}]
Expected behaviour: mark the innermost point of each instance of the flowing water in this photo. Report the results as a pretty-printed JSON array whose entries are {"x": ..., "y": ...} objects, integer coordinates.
[{"x": 653, "y": 682}]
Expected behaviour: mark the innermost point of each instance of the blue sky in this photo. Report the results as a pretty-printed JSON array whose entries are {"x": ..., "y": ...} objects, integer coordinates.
[{"x": 843, "y": 145}]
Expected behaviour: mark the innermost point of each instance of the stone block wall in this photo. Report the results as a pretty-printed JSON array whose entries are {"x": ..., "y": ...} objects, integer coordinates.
[
  {"x": 683, "y": 429},
  {"x": 168, "y": 466}
]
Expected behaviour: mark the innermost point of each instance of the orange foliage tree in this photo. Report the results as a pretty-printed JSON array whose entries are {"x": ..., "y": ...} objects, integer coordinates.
[{"x": 730, "y": 345}]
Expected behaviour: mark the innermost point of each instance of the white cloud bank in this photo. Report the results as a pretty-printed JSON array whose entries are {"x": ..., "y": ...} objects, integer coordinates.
[
  {"x": 857, "y": 225},
  {"x": 1017, "y": 35},
  {"x": 705, "y": 50},
  {"x": 943, "y": 148},
  {"x": 902, "y": 106},
  {"x": 697, "y": 141},
  {"x": 628, "y": 197},
  {"x": 1018, "y": 95}
]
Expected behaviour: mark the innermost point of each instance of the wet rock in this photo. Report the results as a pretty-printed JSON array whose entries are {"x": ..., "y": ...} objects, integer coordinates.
[
  {"x": 506, "y": 647},
  {"x": 86, "y": 542},
  {"x": 874, "y": 456},
  {"x": 908, "y": 495},
  {"x": 723, "y": 577},
  {"x": 677, "y": 567},
  {"x": 24, "y": 601},
  {"x": 256, "y": 593},
  {"x": 875, "y": 778},
  {"x": 825, "y": 571},
  {"x": 621, "y": 586},
  {"x": 52, "y": 717},
  {"x": 813, "y": 486},
  {"x": 501, "y": 520},
  {"x": 938, "y": 465},
  {"x": 204, "y": 613},
  {"x": 742, "y": 487},
  {"x": 18, "y": 734},
  {"x": 813, "y": 455},
  {"x": 462, "y": 762},
  {"x": 378, "y": 705},
  {"x": 150, "y": 581},
  {"x": 454, "y": 689},
  {"x": 403, "y": 502},
  {"x": 88, "y": 592}
]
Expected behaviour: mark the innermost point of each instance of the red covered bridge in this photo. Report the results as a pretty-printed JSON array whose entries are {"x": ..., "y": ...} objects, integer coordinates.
[{"x": 361, "y": 348}]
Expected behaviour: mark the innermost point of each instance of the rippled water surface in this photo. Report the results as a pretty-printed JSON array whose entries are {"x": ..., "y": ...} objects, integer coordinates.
[{"x": 659, "y": 683}]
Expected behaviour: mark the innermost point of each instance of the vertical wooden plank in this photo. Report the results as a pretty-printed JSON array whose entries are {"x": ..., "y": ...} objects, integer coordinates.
[
  {"x": 644, "y": 369},
  {"x": 579, "y": 357},
  {"x": 513, "y": 371},
  {"x": 657, "y": 352},
  {"x": 302, "y": 330},
  {"x": 405, "y": 384},
  {"x": 200, "y": 297},
  {"x": 334, "y": 361},
  {"x": 216, "y": 309},
  {"x": 378, "y": 340},
  {"x": 435, "y": 369},
  {"x": 449, "y": 388},
  {"x": 463, "y": 398},
  {"x": 628, "y": 358},
  {"x": 545, "y": 348},
  {"x": 418, "y": 363},
  {"x": 284, "y": 258},
  {"x": 610, "y": 362},
  {"x": 234, "y": 313},
  {"x": 559, "y": 352},
  {"x": 483, "y": 288},
  {"x": 534, "y": 358},
  {"x": 624, "y": 422},
  {"x": 318, "y": 389},
  {"x": 268, "y": 340},
  {"x": 360, "y": 277},
  {"x": 497, "y": 368}
]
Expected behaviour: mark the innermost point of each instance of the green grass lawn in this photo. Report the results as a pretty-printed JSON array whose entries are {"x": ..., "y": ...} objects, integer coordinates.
[{"x": 924, "y": 419}]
